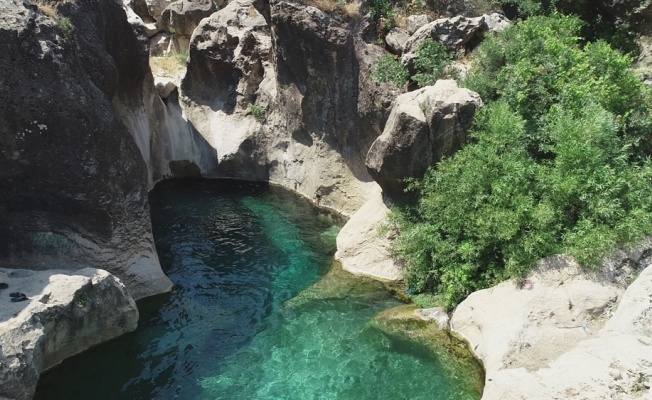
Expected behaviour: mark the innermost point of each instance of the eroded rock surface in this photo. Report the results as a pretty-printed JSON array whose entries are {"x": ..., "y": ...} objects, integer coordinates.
[
  {"x": 67, "y": 312},
  {"x": 454, "y": 33},
  {"x": 73, "y": 184},
  {"x": 362, "y": 247},
  {"x": 564, "y": 333},
  {"x": 283, "y": 97},
  {"x": 424, "y": 126}
]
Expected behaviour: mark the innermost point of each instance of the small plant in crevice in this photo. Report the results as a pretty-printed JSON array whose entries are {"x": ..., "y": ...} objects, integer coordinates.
[
  {"x": 258, "y": 112},
  {"x": 182, "y": 56},
  {"x": 65, "y": 25}
]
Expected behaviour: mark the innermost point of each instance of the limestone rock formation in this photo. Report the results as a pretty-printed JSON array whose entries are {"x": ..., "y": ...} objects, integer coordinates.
[
  {"x": 564, "y": 333},
  {"x": 67, "y": 312},
  {"x": 414, "y": 22},
  {"x": 285, "y": 98},
  {"x": 455, "y": 33},
  {"x": 183, "y": 16},
  {"x": 73, "y": 184},
  {"x": 424, "y": 126},
  {"x": 362, "y": 248},
  {"x": 396, "y": 39},
  {"x": 156, "y": 7}
]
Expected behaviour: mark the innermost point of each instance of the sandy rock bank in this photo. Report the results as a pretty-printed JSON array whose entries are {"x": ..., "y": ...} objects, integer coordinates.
[{"x": 67, "y": 312}]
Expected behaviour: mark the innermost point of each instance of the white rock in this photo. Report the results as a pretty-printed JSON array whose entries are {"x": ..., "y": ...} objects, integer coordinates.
[
  {"x": 414, "y": 22},
  {"x": 496, "y": 22},
  {"x": 67, "y": 312},
  {"x": 361, "y": 248},
  {"x": 554, "y": 338},
  {"x": 396, "y": 39}
]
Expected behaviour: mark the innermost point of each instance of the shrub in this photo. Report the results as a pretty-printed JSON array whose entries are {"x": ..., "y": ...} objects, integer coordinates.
[
  {"x": 182, "y": 56},
  {"x": 390, "y": 69},
  {"x": 558, "y": 163},
  {"x": 258, "y": 112},
  {"x": 65, "y": 25},
  {"x": 433, "y": 62}
]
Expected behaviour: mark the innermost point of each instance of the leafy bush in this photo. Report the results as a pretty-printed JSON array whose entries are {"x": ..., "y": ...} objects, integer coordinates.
[
  {"x": 258, "y": 112},
  {"x": 558, "y": 163},
  {"x": 65, "y": 25},
  {"x": 433, "y": 62},
  {"x": 390, "y": 69}
]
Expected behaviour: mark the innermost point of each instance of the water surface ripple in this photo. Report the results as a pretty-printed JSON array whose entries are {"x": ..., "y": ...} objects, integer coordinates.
[{"x": 237, "y": 325}]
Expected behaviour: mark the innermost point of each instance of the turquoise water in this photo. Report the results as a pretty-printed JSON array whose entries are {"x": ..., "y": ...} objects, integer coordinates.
[{"x": 256, "y": 313}]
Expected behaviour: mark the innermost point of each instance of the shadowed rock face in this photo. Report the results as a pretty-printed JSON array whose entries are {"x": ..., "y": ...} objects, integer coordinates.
[{"x": 73, "y": 184}]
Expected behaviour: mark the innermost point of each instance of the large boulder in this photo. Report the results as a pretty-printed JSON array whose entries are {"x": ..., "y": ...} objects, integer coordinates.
[
  {"x": 396, "y": 39},
  {"x": 73, "y": 182},
  {"x": 457, "y": 33},
  {"x": 563, "y": 332},
  {"x": 183, "y": 16},
  {"x": 424, "y": 126},
  {"x": 67, "y": 312}
]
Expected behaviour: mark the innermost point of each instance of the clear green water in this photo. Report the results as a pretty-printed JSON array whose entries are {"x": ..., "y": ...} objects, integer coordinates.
[{"x": 255, "y": 313}]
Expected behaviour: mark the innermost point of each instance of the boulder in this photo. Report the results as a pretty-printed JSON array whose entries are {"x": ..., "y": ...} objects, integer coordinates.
[
  {"x": 414, "y": 22},
  {"x": 164, "y": 86},
  {"x": 73, "y": 180},
  {"x": 139, "y": 7},
  {"x": 457, "y": 33},
  {"x": 362, "y": 248},
  {"x": 66, "y": 313},
  {"x": 396, "y": 39},
  {"x": 564, "y": 332},
  {"x": 183, "y": 16},
  {"x": 496, "y": 22},
  {"x": 156, "y": 7},
  {"x": 423, "y": 126}
]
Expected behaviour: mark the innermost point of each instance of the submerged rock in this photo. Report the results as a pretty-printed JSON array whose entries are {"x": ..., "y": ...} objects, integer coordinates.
[{"x": 66, "y": 313}]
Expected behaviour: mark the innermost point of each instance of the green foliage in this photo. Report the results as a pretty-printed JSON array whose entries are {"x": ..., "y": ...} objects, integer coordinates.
[
  {"x": 182, "y": 56},
  {"x": 558, "y": 163},
  {"x": 390, "y": 69},
  {"x": 433, "y": 62},
  {"x": 258, "y": 112},
  {"x": 65, "y": 25},
  {"x": 425, "y": 300},
  {"x": 380, "y": 8}
]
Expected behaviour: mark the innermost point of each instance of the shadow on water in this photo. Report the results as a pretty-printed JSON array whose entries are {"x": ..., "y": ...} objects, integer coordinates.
[{"x": 256, "y": 312}]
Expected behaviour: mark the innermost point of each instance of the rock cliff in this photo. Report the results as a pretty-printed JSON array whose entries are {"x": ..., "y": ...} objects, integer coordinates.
[{"x": 73, "y": 184}]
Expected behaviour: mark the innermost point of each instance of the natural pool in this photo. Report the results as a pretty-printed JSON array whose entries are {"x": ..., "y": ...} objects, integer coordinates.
[{"x": 258, "y": 311}]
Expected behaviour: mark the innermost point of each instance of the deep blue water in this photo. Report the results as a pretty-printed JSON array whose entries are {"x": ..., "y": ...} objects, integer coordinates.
[{"x": 239, "y": 323}]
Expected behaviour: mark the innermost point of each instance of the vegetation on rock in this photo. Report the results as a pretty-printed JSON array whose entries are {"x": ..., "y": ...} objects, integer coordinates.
[
  {"x": 558, "y": 163},
  {"x": 433, "y": 62}
]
